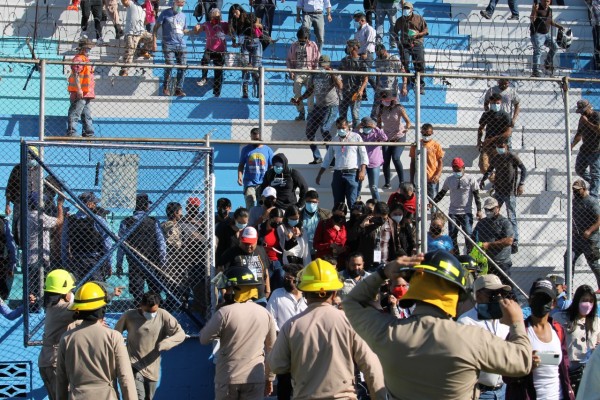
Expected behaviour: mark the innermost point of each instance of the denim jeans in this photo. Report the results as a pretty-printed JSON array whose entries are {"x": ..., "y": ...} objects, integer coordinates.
[
  {"x": 277, "y": 275},
  {"x": 432, "y": 189},
  {"x": 512, "y": 5},
  {"x": 321, "y": 117},
  {"x": 582, "y": 163},
  {"x": 415, "y": 52},
  {"x": 465, "y": 221},
  {"x": 370, "y": 61},
  {"x": 316, "y": 21},
  {"x": 494, "y": 394},
  {"x": 354, "y": 106},
  {"x": 511, "y": 211},
  {"x": 390, "y": 10},
  {"x": 252, "y": 53},
  {"x": 373, "y": 177},
  {"x": 392, "y": 154},
  {"x": 80, "y": 108},
  {"x": 174, "y": 54},
  {"x": 344, "y": 186},
  {"x": 543, "y": 39}
]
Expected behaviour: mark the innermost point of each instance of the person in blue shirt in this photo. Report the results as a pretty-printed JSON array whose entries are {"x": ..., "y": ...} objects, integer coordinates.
[
  {"x": 435, "y": 239},
  {"x": 562, "y": 303},
  {"x": 8, "y": 258},
  {"x": 146, "y": 239},
  {"x": 255, "y": 161}
]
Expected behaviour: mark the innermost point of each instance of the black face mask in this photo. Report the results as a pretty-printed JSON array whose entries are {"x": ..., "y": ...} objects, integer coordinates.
[
  {"x": 378, "y": 221},
  {"x": 540, "y": 307},
  {"x": 489, "y": 311},
  {"x": 274, "y": 224},
  {"x": 268, "y": 203},
  {"x": 338, "y": 219},
  {"x": 435, "y": 230},
  {"x": 222, "y": 213},
  {"x": 356, "y": 273},
  {"x": 288, "y": 286},
  {"x": 578, "y": 194}
]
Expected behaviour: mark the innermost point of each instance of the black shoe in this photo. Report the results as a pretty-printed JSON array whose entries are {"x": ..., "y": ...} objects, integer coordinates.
[
  {"x": 317, "y": 161},
  {"x": 87, "y": 134},
  {"x": 300, "y": 117},
  {"x": 485, "y": 14},
  {"x": 514, "y": 249},
  {"x": 387, "y": 186}
]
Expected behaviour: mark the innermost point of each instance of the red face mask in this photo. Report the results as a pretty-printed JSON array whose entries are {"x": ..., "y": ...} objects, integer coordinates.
[
  {"x": 215, "y": 21},
  {"x": 399, "y": 291}
]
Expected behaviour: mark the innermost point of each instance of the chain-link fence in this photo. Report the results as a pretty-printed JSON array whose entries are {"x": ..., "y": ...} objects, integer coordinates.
[{"x": 135, "y": 216}]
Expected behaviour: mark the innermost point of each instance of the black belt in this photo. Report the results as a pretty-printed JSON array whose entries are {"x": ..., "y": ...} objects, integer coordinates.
[
  {"x": 313, "y": 13},
  {"x": 347, "y": 171},
  {"x": 485, "y": 388}
]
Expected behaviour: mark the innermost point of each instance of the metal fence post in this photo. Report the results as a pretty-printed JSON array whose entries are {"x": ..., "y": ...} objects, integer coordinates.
[
  {"x": 421, "y": 161},
  {"x": 261, "y": 100},
  {"x": 569, "y": 250}
]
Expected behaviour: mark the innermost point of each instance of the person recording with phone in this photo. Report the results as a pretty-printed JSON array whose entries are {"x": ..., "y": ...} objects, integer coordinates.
[
  {"x": 488, "y": 290},
  {"x": 549, "y": 375}
]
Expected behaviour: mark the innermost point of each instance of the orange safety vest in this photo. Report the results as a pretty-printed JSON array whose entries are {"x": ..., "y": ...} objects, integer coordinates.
[{"x": 85, "y": 76}]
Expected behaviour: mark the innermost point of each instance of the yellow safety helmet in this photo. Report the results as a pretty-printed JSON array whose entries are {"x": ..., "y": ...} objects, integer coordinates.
[
  {"x": 59, "y": 281},
  {"x": 319, "y": 276},
  {"x": 89, "y": 297}
]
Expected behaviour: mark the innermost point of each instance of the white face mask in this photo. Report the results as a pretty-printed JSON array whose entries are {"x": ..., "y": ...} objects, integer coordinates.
[
  {"x": 495, "y": 107},
  {"x": 407, "y": 12},
  {"x": 427, "y": 138},
  {"x": 149, "y": 315},
  {"x": 386, "y": 103},
  {"x": 357, "y": 25},
  {"x": 397, "y": 218}
]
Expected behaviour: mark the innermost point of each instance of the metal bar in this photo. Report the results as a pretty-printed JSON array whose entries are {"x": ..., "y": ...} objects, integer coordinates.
[
  {"x": 24, "y": 233},
  {"x": 470, "y": 240},
  {"x": 421, "y": 154},
  {"x": 261, "y": 101},
  {"x": 569, "y": 161},
  {"x": 491, "y": 77}
]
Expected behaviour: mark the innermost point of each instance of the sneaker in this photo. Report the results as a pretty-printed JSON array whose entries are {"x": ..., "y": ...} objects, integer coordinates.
[
  {"x": 549, "y": 70},
  {"x": 123, "y": 72},
  {"x": 536, "y": 74},
  {"x": 87, "y": 134},
  {"x": 300, "y": 117},
  {"x": 179, "y": 93},
  {"x": 317, "y": 161},
  {"x": 513, "y": 18},
  {"x": 118, "y": 34},
  {"x": 201, "y": 82},
  {"x": 166, "y": 91},
  {"x": 422, "y": 91},
  {"x": 387, "y": 186},
  {"x": 485, "y": 14},
  {"x": 514, "y": 249}
]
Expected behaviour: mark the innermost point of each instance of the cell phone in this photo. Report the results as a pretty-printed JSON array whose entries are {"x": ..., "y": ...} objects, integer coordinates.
[{"x": 549, "y": 358}]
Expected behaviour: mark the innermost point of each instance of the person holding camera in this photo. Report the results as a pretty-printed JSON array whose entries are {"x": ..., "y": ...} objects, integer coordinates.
[
  {"x": 549, "y": 375},
  {"x": 486, "y": 314}
]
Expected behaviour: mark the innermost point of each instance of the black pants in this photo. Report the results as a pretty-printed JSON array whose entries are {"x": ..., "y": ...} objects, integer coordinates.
[
  {"x": 369, "y": 6},
  {"x": 284, "y": 387},
  {"x": 95, "y": 8},
  {"x": 266, "y": 13},
  {"x": 218, "y": 60}
]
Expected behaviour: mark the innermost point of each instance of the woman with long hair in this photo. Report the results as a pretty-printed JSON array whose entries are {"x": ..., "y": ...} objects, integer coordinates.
[
  {"x": 246, "y": 28},
  {"x": 269, "y": 239},
  {"x": 582, "y": 329},
  {"x": 292, "y": 239}
]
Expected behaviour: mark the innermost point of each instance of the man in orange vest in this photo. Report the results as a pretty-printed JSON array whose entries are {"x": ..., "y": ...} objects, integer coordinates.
[{"x": 81, "y": 90}]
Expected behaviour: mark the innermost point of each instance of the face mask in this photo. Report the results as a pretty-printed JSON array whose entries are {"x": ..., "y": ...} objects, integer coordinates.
[
  {"x": 357, "y": 25},
  {"x": 399, "y": 291},
  {"x": 278, "y": 170},
  {"x": 458, "y": 174},
  {"x": 288, "y": 286},
  {"x": 435, "y": 230},
  {"x": 342, "y": 133},
  {"x": 177, "y": 9},
  {"x": 274, "y": 224},
  {"x": 578, "y": 194},
  {"x": 311, "y": 207},
  {"x": 490, "y": 214},
  {"x": 386, "y": 103},
  {"x": 222, "y": 213},
  {"x": 489, "y": 311},
  {"x": 356, "y": 273},
  {"x": 378, "y": 221},
  {"x": 292, "y": 222},
  {"x": 540, "y": 308},
  {"x": 338, "y": 219},
  {"x": 215, "y": 21},
  {"x": 366, "y": 131},
  {"x": 407, "y": 12},
  {"x": 397, "y": 218},
  {"x": 31, "y": 163},
  {"x": 501, "y": 150},
  {"x": 268, "y": 203},
  {"x": 301, "y": 44},
  {"x": 585, "y": 307},
  {"x": 427, "y": 138},
  {"x": 240, "y": 226},
  {"x": 495, "y": 107},
  {"x": 149, "y": 315}
]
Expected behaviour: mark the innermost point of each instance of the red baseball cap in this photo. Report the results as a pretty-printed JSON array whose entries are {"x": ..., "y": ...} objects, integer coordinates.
[
  {"x": 458, "y": 162},
  {"x": 193, "y": 201},
  {"x": 249, "y": 235}
]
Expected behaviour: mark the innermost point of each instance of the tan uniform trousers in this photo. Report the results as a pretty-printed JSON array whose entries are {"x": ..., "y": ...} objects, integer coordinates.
[
  {"x": 131, "y": 44},
  {"x": 48, "y": 375},
  {"x": 301, "y": 80},
  {"x": 246, "y": 391}
]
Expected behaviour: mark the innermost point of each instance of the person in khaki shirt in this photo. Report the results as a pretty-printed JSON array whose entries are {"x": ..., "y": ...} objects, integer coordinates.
[
  {"x": 319, "y": 347},
  {"x": 57, "y": 298},
  {"x": 91, "y": 357},
  {"x": 246, "y": 332},
  {"x": 430, "y": 356},
  {"x": 150, "y": 330}
]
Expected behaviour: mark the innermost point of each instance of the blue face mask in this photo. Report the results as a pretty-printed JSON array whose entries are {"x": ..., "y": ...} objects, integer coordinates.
[
  {"x": 501, "y": 150},
  {"x": 149, "y": 315},
  {"x": 311, "y": 207},
  {"x": 495, "y": 107},
  {"x": 458, "y": 174},
  {"x": 489, "y": 311},
  {"x": 293, "y": 222},
  {"x": 342, "y": 133},
  {"x": 177, "y": 9},
  {"x": 278, "y": 170},
  {"x": 366, "y": 131},
  {"x": 240, "y": 226}
]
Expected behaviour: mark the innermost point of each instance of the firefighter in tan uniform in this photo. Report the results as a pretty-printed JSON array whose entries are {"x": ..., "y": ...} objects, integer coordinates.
[
  {"x": 246, "y": 332},
  {"x": 428, "y": 355},
  {"x": 90, "y": 356},
  {"x": 319, "y": 347}
]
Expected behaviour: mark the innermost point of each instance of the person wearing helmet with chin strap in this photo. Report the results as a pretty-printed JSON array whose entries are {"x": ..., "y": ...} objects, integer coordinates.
[
  {"x": 57, "y": 298},
  {"x": 246, "y": 332},
  {"x": 90, "y": 356},
  {"x": 441, "y": 359},
  {"x": 319, "y": 347}
]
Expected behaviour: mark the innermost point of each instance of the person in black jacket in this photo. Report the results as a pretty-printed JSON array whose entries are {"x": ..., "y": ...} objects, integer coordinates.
[{"x": 285, "y": 180}]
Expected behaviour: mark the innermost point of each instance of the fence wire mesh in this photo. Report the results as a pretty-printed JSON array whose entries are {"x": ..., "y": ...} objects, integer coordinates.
[{"x": 136, "y": 217}]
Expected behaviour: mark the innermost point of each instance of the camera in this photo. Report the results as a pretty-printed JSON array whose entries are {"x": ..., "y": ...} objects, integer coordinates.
[{"x": 491, "y": 310}]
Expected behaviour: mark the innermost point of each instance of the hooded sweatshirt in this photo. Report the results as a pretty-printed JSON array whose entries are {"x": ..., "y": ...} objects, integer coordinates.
[{"x": 285, "y": 183}]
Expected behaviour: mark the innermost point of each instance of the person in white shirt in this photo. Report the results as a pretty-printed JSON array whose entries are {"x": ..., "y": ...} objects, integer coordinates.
[
  {"x": 312, "y": 15},
  {"x": 366, "y": 36},
  {"x": 488, "y": 290},
  {"x": 284, "y": 303},
  {"x": 135, "y": 33},
  {"x": 354, "y": 272}
]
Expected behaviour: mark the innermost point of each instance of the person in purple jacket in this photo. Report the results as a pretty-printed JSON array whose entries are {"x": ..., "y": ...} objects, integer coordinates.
[{"x": 369, "y": 132}]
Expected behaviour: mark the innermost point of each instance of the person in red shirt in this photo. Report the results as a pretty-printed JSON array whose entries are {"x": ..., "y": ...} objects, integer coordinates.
[
  {"x": 267, "y": 235},
  {"x": 330, "y": 236}
]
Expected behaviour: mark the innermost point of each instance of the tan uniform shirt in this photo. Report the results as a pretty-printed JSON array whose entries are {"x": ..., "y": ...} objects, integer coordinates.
[
  {"x": 58, "y": 318},
  {"x": 147, "y": 338},
  {"x": 246, "y": 331},
  {"x": 90, "y": 358},
  {"x": 319, "y": 348},
  {"x": 428, "y": 355}
]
